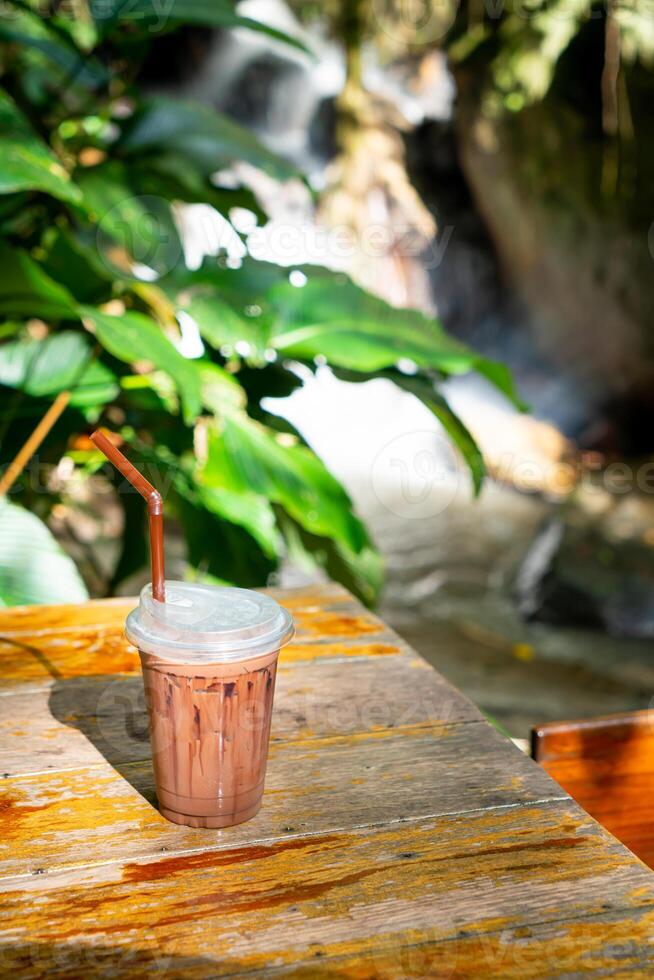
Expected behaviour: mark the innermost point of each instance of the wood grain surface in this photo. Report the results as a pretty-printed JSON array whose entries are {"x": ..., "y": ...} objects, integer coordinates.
[{"x": 400, "y": 836}]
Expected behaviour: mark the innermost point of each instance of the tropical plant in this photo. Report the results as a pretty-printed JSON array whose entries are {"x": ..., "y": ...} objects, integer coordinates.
[{"x": 94, "y": 288}]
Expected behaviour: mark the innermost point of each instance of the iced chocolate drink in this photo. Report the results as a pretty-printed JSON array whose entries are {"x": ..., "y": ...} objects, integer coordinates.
[{"x": 209, "y": 658}]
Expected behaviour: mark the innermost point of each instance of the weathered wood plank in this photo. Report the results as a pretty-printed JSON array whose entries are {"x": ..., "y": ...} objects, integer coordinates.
[
  {"x": 95, "y": 612},
  {"x": 617, "y": 945},
  {"x": 314, "y": 786},
  {"x": 398, "y": 838},
  {"x": 81, "y": 721},
  {"x": 370, "y": 896},
  {"x": 326, "y": 610},
  {"x": 37, "y": 659},
  {"x": 61, "y": 642}
]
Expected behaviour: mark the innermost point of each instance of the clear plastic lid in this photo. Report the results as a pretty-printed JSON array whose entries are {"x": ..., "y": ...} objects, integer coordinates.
[{"x": 206, "y": 623}]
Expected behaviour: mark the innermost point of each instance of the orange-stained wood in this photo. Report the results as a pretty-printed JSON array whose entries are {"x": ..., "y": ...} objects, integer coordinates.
[
  {"x": 607, "y": 765},
  {"x": 60, "y": 642},
  {"x": 400, "y": 835},
  {"x": 368, "y": 892},
  {"x": 318, "y": 600}
]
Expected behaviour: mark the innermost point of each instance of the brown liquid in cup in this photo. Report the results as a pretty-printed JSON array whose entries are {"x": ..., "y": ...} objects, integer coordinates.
[{"x": 209, "y": 728}]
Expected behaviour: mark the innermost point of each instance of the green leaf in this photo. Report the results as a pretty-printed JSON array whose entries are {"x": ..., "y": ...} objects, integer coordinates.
[
  {"x": 59, "y": 362},
  {"x": 360, "y": 572},
  {"x": 216, "y": 520},
  {"x": 26, "y": 290},
  {"x": 33, "y": 567},
  {"x": 221, "y": 392},
  {"x": 141, "y": 224},
  {"x": 246, "y": 457},
  {"x": 229, "y": 305},
  {"x": 248, "y": 510},
  {"x": 332, "y": 317},
  {"x": 222, "y": 325},
  {"x": 77, "y": 269},
  {"x": 219, "y": 547},
  {"x": 171, "y": 176},
  {"x": 457, "y": 432},
  {"x": 27, "y": 163},
  {"x": 207, "y": 138},
  {"x": 168, "y": 14},
  {"x": 460, "y": 435},
  {"x": 76, "y": 66},
  {"x": 134, "y": 337}
]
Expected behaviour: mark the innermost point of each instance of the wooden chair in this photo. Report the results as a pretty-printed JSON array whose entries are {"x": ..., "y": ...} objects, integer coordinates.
[{"x": 607, "y": 765}]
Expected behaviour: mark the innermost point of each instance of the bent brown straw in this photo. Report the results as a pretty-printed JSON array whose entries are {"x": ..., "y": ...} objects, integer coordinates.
[{"x": 155, "y": 509}]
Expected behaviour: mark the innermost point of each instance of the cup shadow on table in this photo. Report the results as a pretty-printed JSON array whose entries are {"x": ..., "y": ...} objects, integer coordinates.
[{"x": 110, "y": 711}]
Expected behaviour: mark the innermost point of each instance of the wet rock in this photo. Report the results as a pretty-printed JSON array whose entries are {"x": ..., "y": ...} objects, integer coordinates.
[{"x": 574, "y": 575}]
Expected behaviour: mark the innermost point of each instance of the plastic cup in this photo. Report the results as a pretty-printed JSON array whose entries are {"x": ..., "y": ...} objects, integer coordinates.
[{"x": 209, "y": 660}]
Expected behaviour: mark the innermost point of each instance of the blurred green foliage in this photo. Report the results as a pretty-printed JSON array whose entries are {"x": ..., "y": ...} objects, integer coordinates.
[
  {"x": 522, "y": 44},
  {"x": 93, "y": 282}
]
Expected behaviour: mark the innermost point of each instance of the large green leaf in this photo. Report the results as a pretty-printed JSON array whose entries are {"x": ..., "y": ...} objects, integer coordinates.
[
  {"x": 457, "y": 432},
  {"x": 26, "y": 162},
  {"x": 140, "y": 225},
  {"x": 76, "y": 67},
  {"x": 221, "y": 548},
  {"x": 26, "y": 290},
  {"x": 328, "y": 317},
  {"x": 222, "y": 325},
  {"x": 332, "y": 317},
  {"x": 249, "y": 510},
  {"x": 229, "y": 305},
  {"x": 221, "y": 392},
  {"x": 33, "y": 567},
  {"x": 59, "y": 362},
  {"x": 207, "y": 138},
  {"x": 246, "y": 457},
  {"x": 78, "y": 269},
  {"x": 171, "y": 176},
  {"x": 360, "y": 572},
  {"x": 153, "y": 16},
  {"x": 134, "y": 337}
]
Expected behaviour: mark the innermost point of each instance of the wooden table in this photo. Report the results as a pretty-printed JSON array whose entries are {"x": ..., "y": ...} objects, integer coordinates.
[{"x": 401, "y": 835}]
